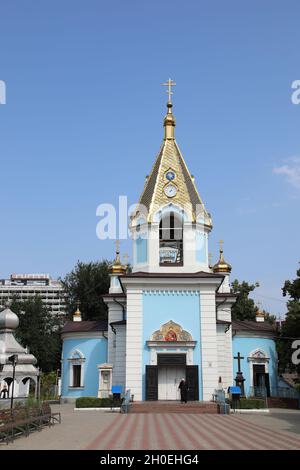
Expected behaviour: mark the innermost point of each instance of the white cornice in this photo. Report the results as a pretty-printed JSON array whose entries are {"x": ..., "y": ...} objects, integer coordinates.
[
  {"x": 171, "y": 282},
  {"x": 83, "y": 335}
]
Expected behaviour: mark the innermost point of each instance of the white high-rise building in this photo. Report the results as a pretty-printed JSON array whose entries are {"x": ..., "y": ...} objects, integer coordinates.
[{"x": 26, "y": 286}]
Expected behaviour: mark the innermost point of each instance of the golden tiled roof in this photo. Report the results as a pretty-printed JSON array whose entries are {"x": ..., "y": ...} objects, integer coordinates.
[{"x": 170, "y": 159}]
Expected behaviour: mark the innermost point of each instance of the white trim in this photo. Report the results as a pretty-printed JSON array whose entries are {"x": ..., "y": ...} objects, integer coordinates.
[
  {"x": 165, "y": 347},
  {"x": 75, "y": 361},
  {"x": 84, "y": 335},
  {"x": 179, "y": 282},
  {"x": 257, "y": 361}
]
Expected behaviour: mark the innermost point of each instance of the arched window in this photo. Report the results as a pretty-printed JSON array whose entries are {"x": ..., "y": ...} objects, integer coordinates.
[{"x": 171, "y": 239}]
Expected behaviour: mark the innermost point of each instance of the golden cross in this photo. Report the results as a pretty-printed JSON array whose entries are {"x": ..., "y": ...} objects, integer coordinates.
[
  {"x": 221, "y": 245},
  {"x": 209, "y": 259},
  {"x": 126, "y": 258},
  {"x": 118, "y": 251},
  {"x": 169, "y": 84}
]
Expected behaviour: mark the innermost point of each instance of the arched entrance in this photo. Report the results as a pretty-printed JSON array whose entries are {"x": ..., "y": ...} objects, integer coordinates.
[{"x": 171, "y": 356}]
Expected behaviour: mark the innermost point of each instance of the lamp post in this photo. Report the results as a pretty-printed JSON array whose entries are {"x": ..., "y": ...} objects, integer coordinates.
[{"x": 13, "y": 360}]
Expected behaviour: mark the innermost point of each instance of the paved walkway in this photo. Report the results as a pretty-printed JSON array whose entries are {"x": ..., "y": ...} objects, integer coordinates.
[{"x": 93, "y": 430}]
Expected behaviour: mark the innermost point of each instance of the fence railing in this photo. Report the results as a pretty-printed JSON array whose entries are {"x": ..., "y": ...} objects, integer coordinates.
[{"x": 280, "y": 392}]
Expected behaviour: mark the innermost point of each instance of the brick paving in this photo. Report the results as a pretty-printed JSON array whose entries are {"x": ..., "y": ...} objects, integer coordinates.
[
  {"x": 101, "y": 430},
  {"x": 189, "y": 432}
]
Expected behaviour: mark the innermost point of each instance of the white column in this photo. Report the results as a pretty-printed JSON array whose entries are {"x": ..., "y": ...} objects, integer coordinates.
[
  {"x": 208, "y": 342},
  {"x": 134, "y": 338}
]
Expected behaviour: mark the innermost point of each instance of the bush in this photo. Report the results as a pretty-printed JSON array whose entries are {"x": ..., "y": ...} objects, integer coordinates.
[
  {"x": 250, "y": 403},
  {"x": 93, "y": 402}
]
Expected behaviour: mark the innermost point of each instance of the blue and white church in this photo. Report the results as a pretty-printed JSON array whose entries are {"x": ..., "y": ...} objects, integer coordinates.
[{"x": 171, "y": 316}]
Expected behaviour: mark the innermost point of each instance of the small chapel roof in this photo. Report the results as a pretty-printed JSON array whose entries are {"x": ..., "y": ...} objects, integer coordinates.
[
  {"x": 248, "y": 325},
  {"x": 85, "y": 326}
]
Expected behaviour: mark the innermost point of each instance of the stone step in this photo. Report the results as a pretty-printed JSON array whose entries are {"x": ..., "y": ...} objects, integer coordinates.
[{"x": 175, "y": 407}]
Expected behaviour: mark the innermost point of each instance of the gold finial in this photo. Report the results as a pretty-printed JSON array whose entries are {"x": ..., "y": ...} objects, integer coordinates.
[
  {"x": 117, "y": 261},
  {"x": 169, "y": 84},
  {"x": 169, "y": 121}
]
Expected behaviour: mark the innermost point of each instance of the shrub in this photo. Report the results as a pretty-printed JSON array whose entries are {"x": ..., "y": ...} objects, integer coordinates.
[
  {"x": 250, "y": 403},
  {"x": 93, "y": 402}
]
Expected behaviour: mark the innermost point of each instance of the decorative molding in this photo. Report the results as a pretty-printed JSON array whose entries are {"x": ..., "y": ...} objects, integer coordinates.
[
  {"x": 171, "y": 332},
  {"x": 164, "y": 345},
  {"x": 171, "y": 292},
  {"x": 258, "y": 355}
]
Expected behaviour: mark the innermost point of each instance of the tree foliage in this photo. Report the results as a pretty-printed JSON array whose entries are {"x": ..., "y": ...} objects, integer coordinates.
[
  {"x": 86, "y": 283},
  {"x": 39, "y": 330},
  {"x": 291, "y": 326},
  {"x": 244, "y": 308}
]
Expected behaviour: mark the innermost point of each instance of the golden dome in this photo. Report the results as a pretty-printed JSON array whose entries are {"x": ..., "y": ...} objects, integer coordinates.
[{"x": 222, "y": 266}]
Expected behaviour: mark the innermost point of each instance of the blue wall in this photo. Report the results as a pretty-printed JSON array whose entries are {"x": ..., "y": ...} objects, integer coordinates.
[
  {"x": 182, "y": 308},
  {"x": 246, "y": 346},
  {"x": 95, "y": 352},
  {"x": 201, "y": 255},
  {"x": 141, "y": 250}
]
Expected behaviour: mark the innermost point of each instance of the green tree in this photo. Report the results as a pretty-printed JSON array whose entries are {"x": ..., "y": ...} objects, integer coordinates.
[
  {"x": 86, "y": 283},
  {"x": 39, "y": 330},
  {"x": 291, "y": 326},
  {"x": 244, "y": 308}
]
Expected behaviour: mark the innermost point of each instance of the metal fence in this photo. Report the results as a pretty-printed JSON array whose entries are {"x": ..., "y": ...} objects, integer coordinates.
[{"x": 280, "y": 392}]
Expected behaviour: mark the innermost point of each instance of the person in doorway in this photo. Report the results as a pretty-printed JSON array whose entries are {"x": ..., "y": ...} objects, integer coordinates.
[
  {"x": 183, "y": 390},
  {"x": 4, "y": 392}
]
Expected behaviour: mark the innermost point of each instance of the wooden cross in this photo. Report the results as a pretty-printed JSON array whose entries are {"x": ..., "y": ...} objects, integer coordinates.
[
  {"x": 239, "y": 357},
  {"x": 169, "y": 84}
]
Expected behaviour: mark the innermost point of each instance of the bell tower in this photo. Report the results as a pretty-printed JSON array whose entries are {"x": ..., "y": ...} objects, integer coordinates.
[{"x": 170, "y": 225}]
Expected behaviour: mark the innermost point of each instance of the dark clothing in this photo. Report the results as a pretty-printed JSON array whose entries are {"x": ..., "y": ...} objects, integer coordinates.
[
  {"x": 183, "y": 391},
  {"x": 4, "y": 393}
]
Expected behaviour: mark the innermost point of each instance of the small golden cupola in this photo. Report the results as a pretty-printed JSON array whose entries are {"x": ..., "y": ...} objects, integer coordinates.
[
  {"x": 260, "y": 315},
  {"x": 222, "y": 266},
  {"x": 77, "y": 314},
  {"x": 117, "y": 268}
]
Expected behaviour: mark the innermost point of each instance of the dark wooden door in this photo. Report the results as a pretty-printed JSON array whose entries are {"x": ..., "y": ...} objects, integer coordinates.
[
  {"x": 261, "y": 380},
  {"x": 192, "y": 382},
  {"x": 151, "y": 383}
]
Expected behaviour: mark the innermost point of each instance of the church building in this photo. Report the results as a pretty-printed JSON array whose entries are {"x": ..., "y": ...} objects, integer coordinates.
[{"x": 170, "y": 317}]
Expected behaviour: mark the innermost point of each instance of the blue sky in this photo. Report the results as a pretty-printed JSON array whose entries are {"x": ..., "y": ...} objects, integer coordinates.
[{"x": 83, "y": 118}]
